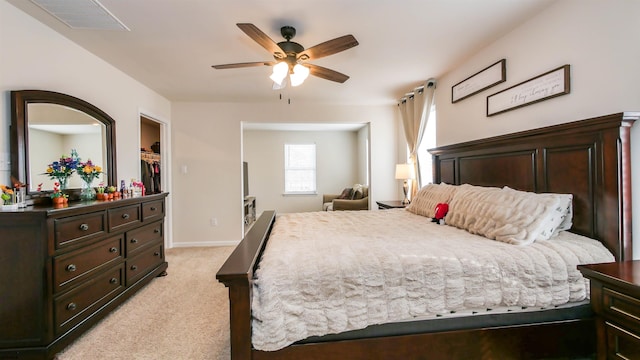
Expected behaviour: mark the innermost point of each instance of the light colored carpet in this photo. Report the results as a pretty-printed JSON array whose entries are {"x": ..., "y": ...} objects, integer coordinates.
[{"x": 184, "y": 315}]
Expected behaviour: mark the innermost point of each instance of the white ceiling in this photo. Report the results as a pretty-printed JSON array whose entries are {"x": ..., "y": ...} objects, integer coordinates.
[{"x": 172, "y": 44}]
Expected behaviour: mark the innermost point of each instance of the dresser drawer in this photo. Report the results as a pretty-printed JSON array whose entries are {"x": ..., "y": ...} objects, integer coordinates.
[
  {"x": 621, "y": 306},
  {"x": 71, "y": 268},
  {"x": 152, "y": 210},
  {"x": 123, "y": 217},
  {"x": 139, "y": 238},
  {"x": 74, "y": 229},
  {"x": 621, "y": 343},
  {"x": 143, "y": 263},
  {"x": 81, "y": 302}
]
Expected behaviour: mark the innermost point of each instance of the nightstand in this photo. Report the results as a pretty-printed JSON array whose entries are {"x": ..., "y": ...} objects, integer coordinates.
[
  {"x": 615, "y": 298},
  {"x": 390, "y": 204}
]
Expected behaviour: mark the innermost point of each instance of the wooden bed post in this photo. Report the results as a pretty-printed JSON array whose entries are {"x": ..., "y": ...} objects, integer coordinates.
[
  {"x": 240, "y": 318},
  {"x": 236, "y": 274},
  {"x": 624, "y": 198}
]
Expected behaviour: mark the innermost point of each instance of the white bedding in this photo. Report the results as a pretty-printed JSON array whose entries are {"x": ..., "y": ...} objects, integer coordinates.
[{"x": 329, "y": 272}]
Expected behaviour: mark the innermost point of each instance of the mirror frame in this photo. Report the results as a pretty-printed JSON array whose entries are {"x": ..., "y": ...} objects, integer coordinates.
[{"x": 20, "y": 100}]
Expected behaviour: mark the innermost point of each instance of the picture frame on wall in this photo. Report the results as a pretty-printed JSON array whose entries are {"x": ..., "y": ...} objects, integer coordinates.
[
  {"x": 542, "y": 87},
  {"x": 492, "y": 75}
]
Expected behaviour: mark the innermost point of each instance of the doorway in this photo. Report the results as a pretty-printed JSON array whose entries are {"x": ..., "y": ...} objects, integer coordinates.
[{"x": 150, "y": 155}]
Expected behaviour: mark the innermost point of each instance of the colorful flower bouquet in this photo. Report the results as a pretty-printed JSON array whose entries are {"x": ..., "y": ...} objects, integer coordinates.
[
  {"x": 7, "y": 199},
  {"x": 62, "y": 169},
  {"x": 88, "y": 171},
  {"x": 7, "y": 196}
]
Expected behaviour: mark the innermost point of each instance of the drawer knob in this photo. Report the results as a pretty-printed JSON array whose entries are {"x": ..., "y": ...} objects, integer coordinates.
[
  {"x": 153, "y": 208},
  {"x": 134, "y": 267},
  {"x": 84, "y": 227},
  {"x": 113, "y": 249},
  {"x": 125, "y": 216},
  {"x": 156, "y": 231},
  {"x": 71, "y": 306},
  {"x": 113, "y": 281},
  {"x": 157, "y": 253},
  {"x": 71, "y": 268},
  {"x": 134, "y": 240}
]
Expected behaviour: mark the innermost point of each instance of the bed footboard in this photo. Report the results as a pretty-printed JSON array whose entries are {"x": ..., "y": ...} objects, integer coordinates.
[{"x": 237, "y": 274}]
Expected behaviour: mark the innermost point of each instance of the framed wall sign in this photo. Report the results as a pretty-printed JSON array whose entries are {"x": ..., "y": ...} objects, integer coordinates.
[
  {"x": 542, "y": 87},
  {"x": 484, "y": 79}
]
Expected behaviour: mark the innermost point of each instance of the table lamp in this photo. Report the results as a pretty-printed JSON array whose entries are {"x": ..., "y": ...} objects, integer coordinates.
[{"x": 405, "y": 172}]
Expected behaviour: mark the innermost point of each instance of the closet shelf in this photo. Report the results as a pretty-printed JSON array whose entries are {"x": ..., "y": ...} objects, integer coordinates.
[{"x": 149, "y": 156}]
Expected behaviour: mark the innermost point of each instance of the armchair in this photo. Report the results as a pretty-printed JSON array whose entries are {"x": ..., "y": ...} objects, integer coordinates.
[{"x": 356, "y": 198}]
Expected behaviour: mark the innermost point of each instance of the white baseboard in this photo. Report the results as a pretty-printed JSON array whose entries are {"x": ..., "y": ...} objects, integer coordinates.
[{"x": 205, "y": 243}]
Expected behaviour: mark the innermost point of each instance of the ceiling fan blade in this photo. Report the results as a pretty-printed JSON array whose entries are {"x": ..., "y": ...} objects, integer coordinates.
[
  {"x": 327, "y": 74},
  {"x": 329, "y": 48},
  {"x": 263, "y": 39},
  {"x": 242, "y": 65}
]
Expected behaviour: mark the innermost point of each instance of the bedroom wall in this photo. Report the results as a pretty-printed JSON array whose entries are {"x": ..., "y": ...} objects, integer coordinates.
[
  {"x": 207, "y": 143},
  {"x": 597, "y": 38},
  {"x": 336, "y": 166},
  {"x": 36, "y": 57}
]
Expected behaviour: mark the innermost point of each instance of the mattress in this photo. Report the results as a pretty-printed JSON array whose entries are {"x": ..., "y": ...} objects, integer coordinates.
[{"x": 332, "y": 272}]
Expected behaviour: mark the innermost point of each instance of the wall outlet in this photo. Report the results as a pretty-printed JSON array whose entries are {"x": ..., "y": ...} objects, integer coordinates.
[{"x": 213, "y": 221}]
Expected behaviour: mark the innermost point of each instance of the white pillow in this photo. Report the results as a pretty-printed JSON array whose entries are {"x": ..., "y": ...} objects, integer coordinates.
[
  {"x": 562, "y": 215},
  {"x": 507, "y": 215},
  {"x": 425, "y": 201}
]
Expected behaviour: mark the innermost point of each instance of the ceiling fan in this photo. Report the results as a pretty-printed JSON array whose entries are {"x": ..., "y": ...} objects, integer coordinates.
[{"x": 291, "y": 58}]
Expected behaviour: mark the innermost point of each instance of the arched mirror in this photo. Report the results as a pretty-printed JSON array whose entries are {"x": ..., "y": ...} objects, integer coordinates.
[{"x": 46, "y": 125}]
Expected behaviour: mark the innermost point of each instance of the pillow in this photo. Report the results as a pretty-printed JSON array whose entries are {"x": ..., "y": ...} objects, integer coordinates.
[
  {"x": 562, "y": 215},
  {"x": 346, "y": 193},
  {"x": 507, "y": 215},
  {"x": 427, "y": 198},
  {"x": 358, "y": 192}
]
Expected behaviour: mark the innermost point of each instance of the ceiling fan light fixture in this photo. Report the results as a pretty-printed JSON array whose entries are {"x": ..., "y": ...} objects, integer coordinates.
[
  {"x": 299, "y": 75},
  {"x": 280, "y": 71}
]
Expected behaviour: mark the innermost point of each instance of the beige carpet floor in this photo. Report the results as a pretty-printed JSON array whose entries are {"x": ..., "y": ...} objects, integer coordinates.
[{"x": 184, "y": 315}]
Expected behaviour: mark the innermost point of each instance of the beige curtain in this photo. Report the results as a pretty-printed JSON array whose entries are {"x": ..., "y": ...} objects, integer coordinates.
[{"x": 415, "y": 108}]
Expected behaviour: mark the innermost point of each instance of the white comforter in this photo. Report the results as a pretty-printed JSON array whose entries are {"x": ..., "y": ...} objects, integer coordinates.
[{"x": 329, "y": 272}]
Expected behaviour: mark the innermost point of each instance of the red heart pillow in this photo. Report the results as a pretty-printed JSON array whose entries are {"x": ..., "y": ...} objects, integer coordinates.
[{"x": 441, "y": 211}]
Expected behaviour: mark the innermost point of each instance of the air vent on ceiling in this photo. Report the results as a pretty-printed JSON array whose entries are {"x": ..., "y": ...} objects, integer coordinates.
[{"x": 82, "y": 14}]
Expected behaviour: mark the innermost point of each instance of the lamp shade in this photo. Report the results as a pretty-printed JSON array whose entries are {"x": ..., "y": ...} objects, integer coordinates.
[
  {"x": 300, "y": 73},
  {"x": 404, "y": 171},
  {"x": 280, "y": 71}
]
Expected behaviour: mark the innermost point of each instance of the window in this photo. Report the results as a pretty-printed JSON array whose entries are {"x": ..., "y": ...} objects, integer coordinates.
[{"x": 300, "y": 168}]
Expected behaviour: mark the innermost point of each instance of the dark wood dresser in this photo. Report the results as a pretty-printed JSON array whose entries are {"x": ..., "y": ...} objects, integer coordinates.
[
  {"x": 63, "y": 269},
  {"x": 615, "y": 298}
]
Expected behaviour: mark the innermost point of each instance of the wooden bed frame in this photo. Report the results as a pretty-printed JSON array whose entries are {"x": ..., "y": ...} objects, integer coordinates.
[{"x": 588, "y": 158}]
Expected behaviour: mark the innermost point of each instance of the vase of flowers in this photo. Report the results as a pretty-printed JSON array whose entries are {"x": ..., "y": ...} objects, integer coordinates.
[
  {"x": 88, "y": 171},
  {"x": 62, "y": 169},
  {"x": 8, "y": 198}
]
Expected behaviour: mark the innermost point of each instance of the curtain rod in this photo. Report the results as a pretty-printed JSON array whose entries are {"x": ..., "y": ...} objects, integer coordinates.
[{"x": 430, "y": 83}]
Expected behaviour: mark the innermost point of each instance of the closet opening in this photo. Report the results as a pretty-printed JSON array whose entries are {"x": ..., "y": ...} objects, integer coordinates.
[{"x": 150, "y": 155}]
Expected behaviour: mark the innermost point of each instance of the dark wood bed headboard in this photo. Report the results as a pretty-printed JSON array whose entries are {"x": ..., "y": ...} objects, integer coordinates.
[{"x": 590, "y": 159}]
